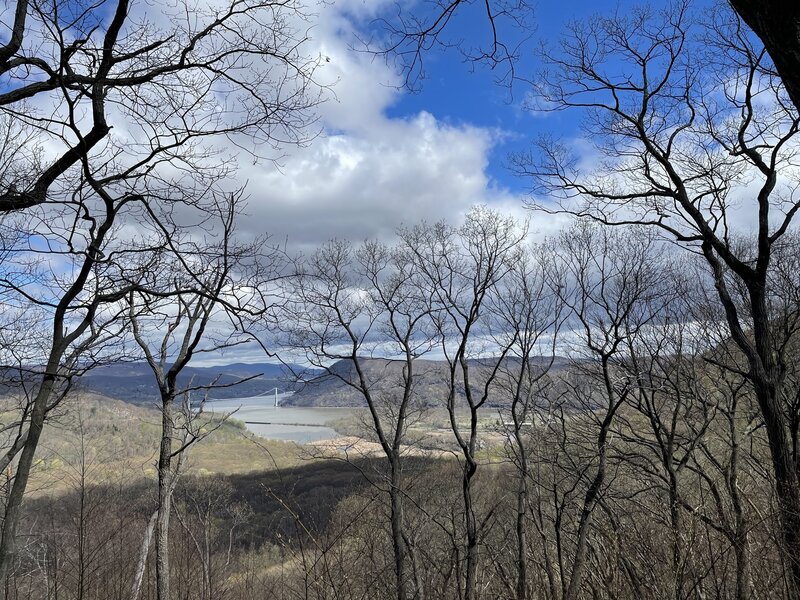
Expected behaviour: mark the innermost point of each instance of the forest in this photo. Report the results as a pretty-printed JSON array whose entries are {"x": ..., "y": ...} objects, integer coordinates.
[{"x": 594, "y": 396}]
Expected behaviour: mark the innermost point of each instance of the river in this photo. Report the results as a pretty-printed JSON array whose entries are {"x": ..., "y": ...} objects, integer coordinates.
[{"x": 297, "y": 424}]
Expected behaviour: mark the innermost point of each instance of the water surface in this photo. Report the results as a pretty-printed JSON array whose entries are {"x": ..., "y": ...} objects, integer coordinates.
[{"x": 297, "y": 424}]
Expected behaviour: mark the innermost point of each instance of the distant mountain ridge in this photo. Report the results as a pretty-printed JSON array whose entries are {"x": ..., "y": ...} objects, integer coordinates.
[
  {"x": 134, "y": 382},
  {"x": 385, "y": 380}
]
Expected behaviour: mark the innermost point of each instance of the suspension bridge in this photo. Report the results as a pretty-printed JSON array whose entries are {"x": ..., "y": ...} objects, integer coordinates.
[{"x": 275, "y": 393}]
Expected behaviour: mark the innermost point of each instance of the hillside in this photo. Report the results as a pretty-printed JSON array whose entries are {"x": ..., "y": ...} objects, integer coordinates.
[
  {"x": 103, "y": 440},
  {"x": 385, "y": 378},
  {"x": 134, "y": 382}
]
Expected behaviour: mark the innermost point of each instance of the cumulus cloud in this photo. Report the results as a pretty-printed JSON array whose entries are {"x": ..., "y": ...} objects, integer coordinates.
[
  {"x": 368, "y": 173},
  {"x": 358, "y": 186}
]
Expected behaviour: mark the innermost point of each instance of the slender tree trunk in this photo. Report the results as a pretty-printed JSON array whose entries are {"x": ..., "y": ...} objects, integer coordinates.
[
  {"x": 584, "y": 525},
  {"x": 592, "y": 494},
  {"x": 82, "y": 532},
  {"x": 397, "y": 529},
  {"x": 741, "y": 543},
  {"x": 587, "y": 512},
  {"x": 207, "y": 557},
  {"x": 548, "y": 561},
  {"x": 144, "y": 550},
  {"x": 522, "y": 511},
  {"x": 419, "y": 591},
  {"x": 472, "y": 530},
  {"x": 742, "y": 553},
  {"x": 165, "y": 487},
  {"x": 675, "y": 523},
  {"x": 8, "y": 542}
]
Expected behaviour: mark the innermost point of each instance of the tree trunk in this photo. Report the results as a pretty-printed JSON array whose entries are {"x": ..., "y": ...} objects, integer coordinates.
[
  {"x": 587, "y": 512},
  {"x": 787, "y": 486},
  {"x": 522, "y": 510},
  {"x": 472, "y": 531},
  {"x": 767, "y": 379},
  {"x": 8, "y": 542},
  {"x": 141, "y": 565},
  {"x": 675, "y": 523},
  {"x": 165, "y": 487},
  {"x": 742, "y": 553},
  {"x": 777, "y": 23},
  {"x": 740, "y": 541},
  {"x": 397, "y": 530},
  {"x": 419, "y": 592}
]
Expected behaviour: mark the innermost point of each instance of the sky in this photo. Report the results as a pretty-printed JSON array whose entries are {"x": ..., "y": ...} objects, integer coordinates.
[{"x": 389, "y": 156}]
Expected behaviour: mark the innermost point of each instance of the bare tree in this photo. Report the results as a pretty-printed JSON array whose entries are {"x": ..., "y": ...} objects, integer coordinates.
[
  {"x": 613, "y": 285},
  {"x": 178, "y": 318},
  {"x": 679, "y": 151},
  {"x": 349, "y": 305},
  {"x": 84, "y": 320},
  {"x": 460, "y": 268},
  {"x": 86, "y": 202},
  {"x": 528, "y": 313},
  {"x": 669, "y": 411}
]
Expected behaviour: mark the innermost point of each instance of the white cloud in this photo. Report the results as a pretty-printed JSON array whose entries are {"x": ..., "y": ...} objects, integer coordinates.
[
  {"x": 369, "y": 173},
  {"x": 361, "y": 185}
]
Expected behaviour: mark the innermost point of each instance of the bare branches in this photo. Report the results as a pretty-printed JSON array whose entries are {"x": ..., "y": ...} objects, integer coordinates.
[
  {"x": 411, "y": 34},
  {"x": 680, "y": 151},
  {"x": 172, "y": 77},
  {"x": 672, "y": 152},
  {"x": 117, "y": 156}
]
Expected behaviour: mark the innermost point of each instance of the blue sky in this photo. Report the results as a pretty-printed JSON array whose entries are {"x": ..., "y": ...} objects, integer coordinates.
[
  {"x": 457, "y": 92},
  {"x": 389, "y": 156}
]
